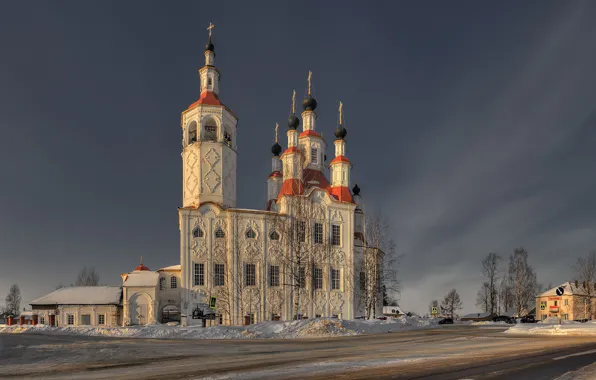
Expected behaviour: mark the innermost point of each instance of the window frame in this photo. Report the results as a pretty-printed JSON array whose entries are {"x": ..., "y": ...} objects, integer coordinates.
[
  {"x": 274, "y": 275},
  {"x": 198, "y": 274},
  {"x": 99, "y": 319},
  {"x": 336, "y": 238},
  {"x": 219, "y": 233},
  {"x": 335, "y": 282},
  {"x": 250, "y": 234},
  {"x": 274, "y": 233},
  {"x": 197, "y": 233},
  {"x": 318, "y": 278},
  {"x": 314, "y": 156},
  {"x": 250, "y": 274},
  {"x": 173, "y": 282},
  {"x": 70, "y": 319},
  {"x": 219, "y": 279},
  {"x": 318, "y": 233},
  {"x": 162, "y": 283}
]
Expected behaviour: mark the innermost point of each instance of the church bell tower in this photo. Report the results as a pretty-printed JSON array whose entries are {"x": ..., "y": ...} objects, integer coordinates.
[{"x": 209, "y": 142}]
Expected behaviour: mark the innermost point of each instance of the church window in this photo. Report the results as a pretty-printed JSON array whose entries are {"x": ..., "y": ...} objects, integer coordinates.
[
  {"x": 162, "y": 283},
  {"x": 197, "y": 233},
  {"x": 101, "y": 319},
  {"x": 192, "y": 132},
  {"x": 173, "y": 282},
  {"x": 70, "y": 319},
  {"x": 302, "y": 277},
  {"x": 250, "y": 275},
  {"x": 219, "y": 234},
  {"x": 199, "y": 275},
  {"x": 300, "y": 227},
  {"x": 42, "y": 320},
  {"x": 218, "y": 274},
  {"x": 314, "y": 155},
  {"x": 210, "y": 133},
  {"x": 273, "y": 275},
  {"x": 318, "y": 278},
  {"x": 335, "y": 234},
  {"x": 274, "y": 235},
  {"x": 335, "y": 279},
  {"x": 251, "y": 234},
  {"x": 210, "y": 83},
  {"x": 318, "y": 233}
]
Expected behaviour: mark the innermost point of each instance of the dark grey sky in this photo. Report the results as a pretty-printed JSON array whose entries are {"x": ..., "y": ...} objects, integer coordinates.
[{"x": 472, "y": 124}]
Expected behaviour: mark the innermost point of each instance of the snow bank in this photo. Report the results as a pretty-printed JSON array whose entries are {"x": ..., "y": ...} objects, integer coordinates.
[
  {"x": 310, "y": 328},
  {"x": 551, "y": 326},
  {"x": 490, "y": 323}
]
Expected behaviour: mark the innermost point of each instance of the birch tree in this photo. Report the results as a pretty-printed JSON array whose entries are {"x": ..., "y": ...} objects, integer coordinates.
[
  {"x": 13, "y": 300},
  {"x": 451, "y": 303},
  {"x": 522, "y": 281},
  {"x": 585, "y": 271},
  {"x": 490, "y": 269}
]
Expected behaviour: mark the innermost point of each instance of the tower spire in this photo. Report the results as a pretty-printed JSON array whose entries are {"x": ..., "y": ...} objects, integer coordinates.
[
  {"x": 341, "y": 166},
  {"x": 309, "y": 77},
  {"x": 293, "y": 121},
  {"x": 276, "y": 128},
  {"x": 210, "y": 46}
]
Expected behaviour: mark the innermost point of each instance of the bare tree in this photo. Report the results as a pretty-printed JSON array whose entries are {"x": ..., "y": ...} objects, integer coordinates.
[
  {"x": 522, "y": 281},
  {"x": 505, "y": 296},
  {"x": 490, "y": 269},
  {"x": 88, "y": 276},
  {"x": 303, "y": 230},
  {"x": 483, "y": 298},
  {"x": 585, "y": 270},
  {"x": 451, "y": 303},
  {"x": 13, "y": 300}
]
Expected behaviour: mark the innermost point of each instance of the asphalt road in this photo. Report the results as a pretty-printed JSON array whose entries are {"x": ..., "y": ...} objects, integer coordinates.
[{"x": 449, "y": 352}]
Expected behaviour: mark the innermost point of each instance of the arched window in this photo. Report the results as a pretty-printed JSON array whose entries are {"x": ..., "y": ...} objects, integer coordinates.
[
  {"x": 251, "y": 234},
  {"x": 274, "y": 235},
  {"x": 219, "y": 234},
  {"x": 210, "y": 130},
  {"x": 192, "y": 132},
  {"x": 197, "y": 233}
]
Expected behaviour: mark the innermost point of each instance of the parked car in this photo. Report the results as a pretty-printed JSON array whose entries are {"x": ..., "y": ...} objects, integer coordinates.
[
  {"x": 504, "y": 318},
  {"x": 528, "y": 319},
  {"x": 446, "y": 321}
]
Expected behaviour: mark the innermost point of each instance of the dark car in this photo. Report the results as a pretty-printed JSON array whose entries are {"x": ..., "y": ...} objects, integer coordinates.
[
  {"x": 446, "y": 321},
  {"x": 528, "y": 319},
  {"x": 503, "y": 318}
]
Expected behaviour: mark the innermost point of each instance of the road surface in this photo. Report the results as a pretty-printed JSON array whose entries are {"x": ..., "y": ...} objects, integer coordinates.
[{"x": 449, "y": 352}]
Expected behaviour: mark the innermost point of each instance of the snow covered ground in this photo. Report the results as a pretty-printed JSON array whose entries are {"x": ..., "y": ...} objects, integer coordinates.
[
  {"x": 310, "y": 328},
  {"x": 551, "y": 326}
]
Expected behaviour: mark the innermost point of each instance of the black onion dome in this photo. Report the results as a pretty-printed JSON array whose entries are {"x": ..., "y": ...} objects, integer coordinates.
[
  {"x": 293, "y": 122},
  {"x": 356, "y": 190},
  {"x": 276, "y": 149},
  {"x": 309, "y": 103},
  {"x": 210, "y": 46},
  {"x": 340, "y": 132}
]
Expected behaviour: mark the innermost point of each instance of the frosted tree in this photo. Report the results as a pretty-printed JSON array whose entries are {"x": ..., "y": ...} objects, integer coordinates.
[
  {"x": 451, "y": 303},
  {"x": 13, "y": 300},
  {"x": 585, "y": 271},
  {"x": 88, "y": 276},
  {"x": 522, "y": 281}
]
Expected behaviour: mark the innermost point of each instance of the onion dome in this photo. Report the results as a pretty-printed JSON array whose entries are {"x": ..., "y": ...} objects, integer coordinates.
[
  {"x": 141, "y": 267},
  {"x": 309, "y": 103},
  {"x": 293, "y": 121},
  {"x": 209, "y": 46},
  {"x": 276, "y": 149},
  {"x": 356, "y": 190},
  {"x": 340, "y": 132}
]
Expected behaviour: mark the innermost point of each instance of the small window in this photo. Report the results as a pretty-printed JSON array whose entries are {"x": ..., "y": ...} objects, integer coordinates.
[
  {"x": 335, "y": 279},
  {"x": 252, "y": 319},
  {"x": 314, "y": 155},
  {"x": 42, "y": 320},
  {"x": 101, "y": 319},
  {"x": 318, "y": 278},
  {"x": 250, "y": 275},
  {"x": 317, "y": 315},
  {"x": 210, "y": 83},
  {"x": 210, "y": 132},
  {"x": 251, "y": 234},
  {"x": 335, "y": 235},
  {"x": 274, "y": 236},
  {"x": 219, "y": 234},
  {"x": 199, "y": 275},
  {"x": 70, "y": 319},
  {"x": 218, "y": 274},
  {"x": 162, "y": 283},
  {"x": 197, "y": 233},
  {"x": 173, "y": 282},
  {"x": 318, "y": 233},
  {"x": 556, "y": 303},
  {"x": 273, "y": 275},
  {"x": 302, "y": 277}
]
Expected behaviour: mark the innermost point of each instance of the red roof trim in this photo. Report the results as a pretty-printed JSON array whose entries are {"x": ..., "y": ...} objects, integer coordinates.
[
  {"x": 341, "y": 193},
  {"x": 141, "y": 267},
  {"x": 292, "y": 149},
  {"x": 340, "y": 159},
  {"x": 309, "y": 133},
  {"x": 207, "y": 97},
  {"x": 291, "y": 187}
]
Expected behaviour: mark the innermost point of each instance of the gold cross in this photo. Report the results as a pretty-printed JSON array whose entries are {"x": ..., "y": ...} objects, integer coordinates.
[
  {"x": 294, "y": 101},
  {"x": 341, "y": 115},
  {"x": 211, "y": 26},
  {"x": 276, "y": 126},
  {"x": 309, "y": 76}
]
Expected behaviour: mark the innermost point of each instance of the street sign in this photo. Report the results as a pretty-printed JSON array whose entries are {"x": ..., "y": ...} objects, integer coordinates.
[
  {"x": 435, "y": 310},
  {"x": 560, "y": 291},
  {"x": 212, "y": 302},
  {"x": 542, "y": 307}
]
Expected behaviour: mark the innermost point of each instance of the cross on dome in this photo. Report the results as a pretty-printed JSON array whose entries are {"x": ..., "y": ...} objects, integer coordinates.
[
  {"x": 309, "y": 77},
  {"x": 211, "y": 26}
]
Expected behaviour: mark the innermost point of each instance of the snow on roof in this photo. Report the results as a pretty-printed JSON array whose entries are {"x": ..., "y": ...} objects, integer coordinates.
[
  {"x": 171, "y": 267},
  {"x": 82, "y": 295},
  {"x": 141, "y": 279},
  {"x": 477, "y": 315},
  {"x": 570, "y": 289}
]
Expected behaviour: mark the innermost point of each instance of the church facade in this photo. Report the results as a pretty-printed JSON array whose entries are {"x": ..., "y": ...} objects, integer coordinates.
[{"x": 299, "y": 257}]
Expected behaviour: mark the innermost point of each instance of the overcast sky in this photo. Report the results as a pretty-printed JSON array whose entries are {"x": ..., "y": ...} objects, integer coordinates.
[{"x": 473, "y": 125}]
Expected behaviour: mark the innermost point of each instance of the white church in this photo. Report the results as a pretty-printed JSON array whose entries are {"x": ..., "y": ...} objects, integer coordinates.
[{"x": 302, "y": 256}]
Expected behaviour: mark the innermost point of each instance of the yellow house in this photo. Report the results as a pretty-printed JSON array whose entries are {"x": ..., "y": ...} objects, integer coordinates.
[{"x": 572, "y": 303}]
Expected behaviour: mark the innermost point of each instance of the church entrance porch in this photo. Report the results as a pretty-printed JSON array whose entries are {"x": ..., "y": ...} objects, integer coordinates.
[{"x": 140, "y": 309}]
